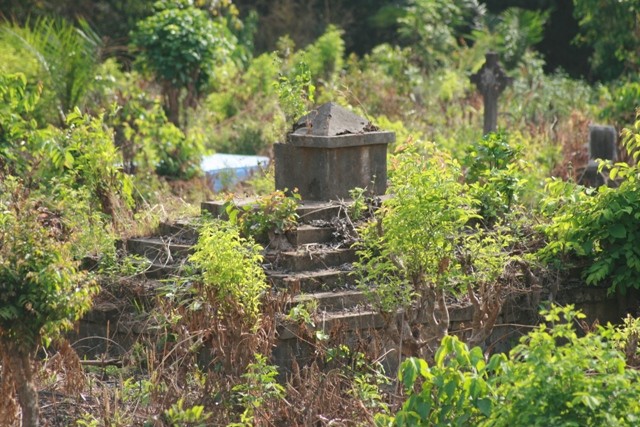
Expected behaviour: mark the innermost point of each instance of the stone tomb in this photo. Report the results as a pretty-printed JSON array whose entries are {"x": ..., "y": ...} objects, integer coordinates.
[
  {"x": 331, "y": 151},
  {"x": 602, "y": 145}
]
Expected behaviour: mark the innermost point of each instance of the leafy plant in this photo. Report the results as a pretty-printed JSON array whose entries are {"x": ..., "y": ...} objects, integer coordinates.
[
  {"x": 324, "y": 56},
  {"x": 512, "y": 33},
  {"x": 358, "y": 206},
  {"x": 410, "y": 246},
  {"x": 407, "y": 255},
  {"x": 95, "y": 166},
  {"x": 16, "y": 123},
  {"x": 367, "y": 378},
  {"x": 600, "y": 226},
  {"x": 609, "y": 28},
  {"x": 296, "y": 92},
  {"x": 42, "y": 290},
  {"x": 231, "y": 269},
  {"x": 304, "y": 313},
  {"x": 69, "y": 58},
  {"x": 434, "y": 27},
  {"x": 484, "y": 256},
  {"x": 456, "y": 391},
  {"x": 271, "y": 214},
  {"x": 622, "y": 105},
  {"x": 179, "y": 156},
  {"x": 493, "y": 174},
  {"x": 177, "y": 415},
  {"x": 180, "y": 45},
  {"x": 573, "y": 380},
  {"x": 258, "y": 389}
]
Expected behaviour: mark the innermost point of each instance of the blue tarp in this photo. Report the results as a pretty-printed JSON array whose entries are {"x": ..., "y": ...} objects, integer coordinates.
[{"x": 226, "y": 170}]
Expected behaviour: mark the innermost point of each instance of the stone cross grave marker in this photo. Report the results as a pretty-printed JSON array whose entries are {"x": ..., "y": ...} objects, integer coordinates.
[
  {"x": 491, "y": 81},
  {"x": 602, "y": 145}
]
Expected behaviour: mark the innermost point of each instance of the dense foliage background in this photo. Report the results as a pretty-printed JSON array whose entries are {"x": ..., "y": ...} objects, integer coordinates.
[{"x": 108, "y": 106}]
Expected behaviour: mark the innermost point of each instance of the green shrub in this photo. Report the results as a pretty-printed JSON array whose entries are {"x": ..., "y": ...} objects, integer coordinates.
[
  {"x": 600, "y": 226},
  {"x": 493, "y": 174},
  {"x": 42, "y": 290},
  {"x": 411, "y": 245},
  {"x": 179, "y": 156},
  {"x": 178, "y": 415},
  {"x": 455, "y": 391},
  {"x": 259, "y": 389},
  {"x": 366, "y": 377},
  {"x": 621, "y": 108},
  {"x": 536, "y": 97},
  {"x": 434, "y": 28},
  {"x": 83, "y": 155},
  {"x": 273, "y": 213},
  {"x": 295, "y": 92},
  {"x": 556, "y": 378},
  {"x": 609, "y": 28},
  {"x": 512, "y": 34},
  {"x": 325, "y": 56},
  {"x": 552, "y": 378},
  {"x": 231, "y": 269},
  {"x": 68, "y": 57},
  {"x": 180, "y": 45}
]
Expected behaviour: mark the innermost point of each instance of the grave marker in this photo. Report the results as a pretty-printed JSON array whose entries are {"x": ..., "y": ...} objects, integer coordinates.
[
  {"x": 330, "y": 152},
  {"x": 491, "y": 81},
  {"x": 602, "y": 145}
]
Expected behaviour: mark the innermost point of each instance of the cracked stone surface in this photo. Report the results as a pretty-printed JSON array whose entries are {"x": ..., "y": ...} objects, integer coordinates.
[{"x": 331, "y": 119}]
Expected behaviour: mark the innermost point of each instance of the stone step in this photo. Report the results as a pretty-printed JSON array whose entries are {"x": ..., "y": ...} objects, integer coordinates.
[
  {"x": 306, "y": 234},
  {"x": 159, "y": 250},
  {"x": 308, "y": 211},
  {"x": 312, "y": 259},
  {"x": 187, "y": 231},
  {"x": 312, "y": 281},
  {"x": 163, "y": 271},
  {"x": 331, "y": 301},
  {"x": 216, "y": 208},
  {"x": 354, "y": 320},
  {"x": 183, "y": 230}
]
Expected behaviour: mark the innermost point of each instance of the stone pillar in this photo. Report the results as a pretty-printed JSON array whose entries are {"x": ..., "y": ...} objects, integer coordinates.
[
  {"x": 331, "y": 151},
  {"x": 491, "y": 81}
]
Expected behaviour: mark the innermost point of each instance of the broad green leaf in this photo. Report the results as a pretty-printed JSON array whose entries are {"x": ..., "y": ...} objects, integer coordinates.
[
  {"x": 618, "y": 231},
  {"x": 409, "y": 372},
  {"x": 484, "y": 405}
]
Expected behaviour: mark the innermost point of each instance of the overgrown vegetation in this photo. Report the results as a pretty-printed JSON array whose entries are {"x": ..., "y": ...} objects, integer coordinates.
[
  {"x": 599, "y": 226},
  {"x": 574, "y": 380},
  {"x": 98, "y": 143}
]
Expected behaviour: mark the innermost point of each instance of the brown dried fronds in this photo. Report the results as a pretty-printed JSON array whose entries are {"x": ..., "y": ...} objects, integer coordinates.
[
  {"x": 65, "y": 365},
  {"x": 318, "y": 397},
  {"x": 572, "y": 135}
]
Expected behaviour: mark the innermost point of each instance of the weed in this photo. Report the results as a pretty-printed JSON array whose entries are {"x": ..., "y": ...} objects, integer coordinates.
[{"x": 270, "y": 215}]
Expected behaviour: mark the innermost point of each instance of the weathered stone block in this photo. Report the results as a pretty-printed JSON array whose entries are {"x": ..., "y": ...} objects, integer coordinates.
[{"x": 331, "y": 152}]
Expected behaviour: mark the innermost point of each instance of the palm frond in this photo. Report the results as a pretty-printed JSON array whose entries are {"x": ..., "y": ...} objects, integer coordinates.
[{"x": 68, "y": 55}]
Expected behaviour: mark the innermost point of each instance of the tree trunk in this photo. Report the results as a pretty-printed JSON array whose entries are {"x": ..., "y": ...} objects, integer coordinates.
[
  {"x": 22, "y": 372},
  {"x": 172, "y": 104}
]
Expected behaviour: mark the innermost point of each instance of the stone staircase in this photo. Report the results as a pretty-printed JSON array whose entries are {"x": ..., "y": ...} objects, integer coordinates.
[{"x": 314, "y": 268}]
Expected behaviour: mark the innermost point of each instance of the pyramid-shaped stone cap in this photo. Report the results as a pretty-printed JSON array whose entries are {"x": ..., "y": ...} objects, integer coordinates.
[{"x": 331, "y": 125}]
